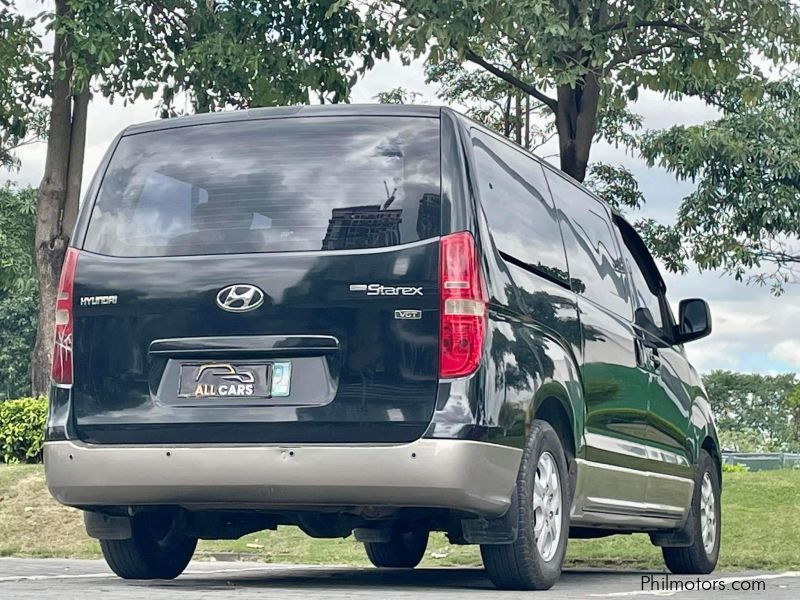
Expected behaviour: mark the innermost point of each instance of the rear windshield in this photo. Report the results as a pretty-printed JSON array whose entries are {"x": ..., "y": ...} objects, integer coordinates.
[{"x": 270, "y": 186}]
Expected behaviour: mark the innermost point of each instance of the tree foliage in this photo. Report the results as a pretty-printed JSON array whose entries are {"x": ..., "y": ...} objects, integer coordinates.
[
  {"x": 490, "y": 100},
  {"x": 245, "y": 53},
  {"x": 21, "y": 67},
  {"x": 17, "y": 335},
  {"x": 22, "y": 424},
  {"x": 576, "y": 57},
  {"x": 220, "y": 53},
  {"x": 755, "y": 413},
  {"x": 397, "y": 95},
  {"x": 744, "y": 215},
  {"x": 18, "y": 290},
  {"x": 584, "y": 63},
  {"x": 17, "y": 224},
  {"x": 616, "y": 185}
]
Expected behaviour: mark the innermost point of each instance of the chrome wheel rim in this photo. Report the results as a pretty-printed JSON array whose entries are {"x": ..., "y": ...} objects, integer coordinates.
[
  {"x": 546, "y": 507},
  {"x": 708, "y": 513}
]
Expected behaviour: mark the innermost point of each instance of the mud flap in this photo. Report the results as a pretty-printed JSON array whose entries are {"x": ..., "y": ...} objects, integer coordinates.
[
  {"x": 106, "y": 527},
  {"x": 675, "y": 537},
  {"x": 502, "y": 530}
]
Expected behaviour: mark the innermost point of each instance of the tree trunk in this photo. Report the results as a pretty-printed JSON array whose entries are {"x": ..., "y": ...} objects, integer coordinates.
[
  {"x": 77, "y": 147},
  {"x": 576, "y": 123},
  {"x": 51, "y": 238}
]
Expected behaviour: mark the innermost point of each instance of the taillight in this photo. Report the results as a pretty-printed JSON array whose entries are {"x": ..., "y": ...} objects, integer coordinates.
[
  {"x": 463, "y": 306},
  {"x": 62, "y": 345}
]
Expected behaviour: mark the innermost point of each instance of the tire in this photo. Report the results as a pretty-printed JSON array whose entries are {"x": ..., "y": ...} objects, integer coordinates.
[
  {"x": 522, "y": 565},
  {"x": 404, "y": 551},
  {"x": 701, "y": 557},
  {"x": 158, "y": 549}
]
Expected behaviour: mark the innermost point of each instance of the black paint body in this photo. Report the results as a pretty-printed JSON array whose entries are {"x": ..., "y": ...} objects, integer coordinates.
[{"x": 375, "y": 378}]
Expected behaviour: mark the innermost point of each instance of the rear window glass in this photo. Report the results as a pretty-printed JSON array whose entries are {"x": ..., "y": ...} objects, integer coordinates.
[{"x": 270, "y": 186}]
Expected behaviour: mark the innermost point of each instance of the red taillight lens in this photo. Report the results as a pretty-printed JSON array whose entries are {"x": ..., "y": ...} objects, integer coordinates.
[
  {"x": 62, "y": 345},
  {"x": 463, "y": 306}
]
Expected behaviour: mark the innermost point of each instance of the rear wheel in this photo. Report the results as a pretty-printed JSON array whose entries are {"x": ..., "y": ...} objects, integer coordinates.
[
  {"x": 158, "y": 548},
  {"x": 704, "y": 523},
  {"x": 534, "y": 560},
  {"x": 404, "y": 550}
]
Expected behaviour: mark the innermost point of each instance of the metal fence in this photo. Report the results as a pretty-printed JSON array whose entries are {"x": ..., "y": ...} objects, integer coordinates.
[{"x": 762, "y": 461}]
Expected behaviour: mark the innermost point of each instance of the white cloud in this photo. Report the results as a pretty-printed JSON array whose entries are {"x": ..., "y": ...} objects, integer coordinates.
[
  {"x": 390, "y": 74},
  {"x": 756, "y": 332},
  {"x": 707, "y": 356},
  {"x": 788, "y": 351}
]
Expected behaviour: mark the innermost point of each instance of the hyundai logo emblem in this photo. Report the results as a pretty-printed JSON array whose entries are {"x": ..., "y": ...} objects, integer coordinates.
[{"x": 240, "y": 297}]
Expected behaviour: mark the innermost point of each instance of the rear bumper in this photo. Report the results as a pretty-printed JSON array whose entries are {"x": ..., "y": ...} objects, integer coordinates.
[{"x": 457, "y": 474}]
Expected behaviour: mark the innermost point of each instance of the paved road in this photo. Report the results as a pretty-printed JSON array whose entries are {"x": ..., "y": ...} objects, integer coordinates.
[{"x": 89, "y": 579}]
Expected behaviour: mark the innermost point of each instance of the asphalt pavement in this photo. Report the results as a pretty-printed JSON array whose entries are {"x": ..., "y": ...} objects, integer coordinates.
[{"x": 46, "y": 579}]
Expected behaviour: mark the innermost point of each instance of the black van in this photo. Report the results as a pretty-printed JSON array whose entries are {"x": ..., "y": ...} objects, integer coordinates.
[{"x": 370, "y": 320}]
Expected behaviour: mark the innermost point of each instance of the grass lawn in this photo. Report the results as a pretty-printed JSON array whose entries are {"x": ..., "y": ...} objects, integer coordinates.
[{"x": 761, "y": 530}]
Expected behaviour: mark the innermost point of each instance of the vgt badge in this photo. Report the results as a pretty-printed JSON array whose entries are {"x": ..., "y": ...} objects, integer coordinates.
[
  {"x": 408, "y": 314},
  {"x": 240, "y": 297}
]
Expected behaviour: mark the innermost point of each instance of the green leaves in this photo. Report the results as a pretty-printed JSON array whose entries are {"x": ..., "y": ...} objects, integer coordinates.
[
  {"x": 744, "y": 216},
  {"x": 648, "y": 43},
  {"x": 754, "y": 412},
  {"x": 234, "y": 54},
  {"x": 616, "y": 185},
  {"x": 17, "y": 223},
  {"x": 18, "y": 289},
  {"x": 18, "y": 318},
  {"x": 397, "y": 95},
  {"x": 248, "y": 53},
  {"x": 23, "y": 78},
  {"x": 22, "y": 424}
]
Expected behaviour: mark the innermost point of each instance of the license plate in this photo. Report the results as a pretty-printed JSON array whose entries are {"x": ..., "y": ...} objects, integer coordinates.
[{"x": 234, "y": 380}]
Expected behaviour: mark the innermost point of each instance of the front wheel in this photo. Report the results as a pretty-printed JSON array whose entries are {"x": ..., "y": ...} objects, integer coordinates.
[
  {"x": 704, "y": 521},
  {"x": 534, "y": 560},
  {"x": 158, "y": 548}
]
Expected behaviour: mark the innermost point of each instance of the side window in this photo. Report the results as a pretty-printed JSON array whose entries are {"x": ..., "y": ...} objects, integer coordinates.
[
  {"x": 596, "y": 269},
  {"x": 645, "y": 297},
  {"x": 516, "y": 200}
]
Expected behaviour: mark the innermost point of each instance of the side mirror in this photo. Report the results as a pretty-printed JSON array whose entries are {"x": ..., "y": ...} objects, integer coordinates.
[{"x": 694, "y": 320}]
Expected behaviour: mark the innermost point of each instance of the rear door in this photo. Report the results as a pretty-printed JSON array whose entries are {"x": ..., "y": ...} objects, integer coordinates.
[
  {"x": 615, "y": 389},
  {"x": 272, "y": 280}
]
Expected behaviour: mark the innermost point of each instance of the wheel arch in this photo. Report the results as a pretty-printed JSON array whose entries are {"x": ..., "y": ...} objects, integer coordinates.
[
  {"x": 559, "y": 415},
  {"x": 711, "y": 446},
  {"x": 559, "y": 402},
  {"x": 704, "y": 432}
]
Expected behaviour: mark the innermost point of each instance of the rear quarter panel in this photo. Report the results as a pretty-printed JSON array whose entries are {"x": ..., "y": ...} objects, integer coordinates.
[{"x": 533, "y": 332}]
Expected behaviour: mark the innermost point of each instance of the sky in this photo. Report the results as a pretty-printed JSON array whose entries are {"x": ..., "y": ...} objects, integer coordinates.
[{"x": 753, "y": 331}]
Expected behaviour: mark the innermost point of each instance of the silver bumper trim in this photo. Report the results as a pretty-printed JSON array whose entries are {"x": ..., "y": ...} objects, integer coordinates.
[{"x": 456, "y": 474}]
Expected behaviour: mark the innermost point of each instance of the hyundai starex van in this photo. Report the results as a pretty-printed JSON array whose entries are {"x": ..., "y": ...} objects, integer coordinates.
[{"x": 377, "y": 321}]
